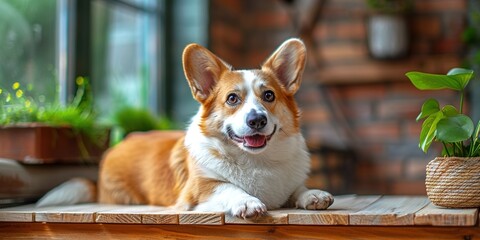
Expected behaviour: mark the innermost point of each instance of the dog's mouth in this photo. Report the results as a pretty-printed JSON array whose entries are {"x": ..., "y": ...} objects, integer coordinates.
[{"x": 254, "y": 141}]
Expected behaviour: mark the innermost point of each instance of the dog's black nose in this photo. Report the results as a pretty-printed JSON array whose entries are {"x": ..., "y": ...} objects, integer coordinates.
[{"x": 255, "y": 120}]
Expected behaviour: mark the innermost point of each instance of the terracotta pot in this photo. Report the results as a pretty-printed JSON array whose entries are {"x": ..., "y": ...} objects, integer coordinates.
[
  {"x": 38, "y": 143},
  {"x": 454, "y": 182}
]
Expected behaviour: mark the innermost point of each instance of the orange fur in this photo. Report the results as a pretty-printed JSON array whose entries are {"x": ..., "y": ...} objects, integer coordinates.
[
  {"x": 156, "y": 168},
  {"x": 152, "y": 168}
]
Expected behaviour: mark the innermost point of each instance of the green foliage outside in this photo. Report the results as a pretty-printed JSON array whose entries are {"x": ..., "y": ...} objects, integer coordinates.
[{"x": 18, "y": 106}]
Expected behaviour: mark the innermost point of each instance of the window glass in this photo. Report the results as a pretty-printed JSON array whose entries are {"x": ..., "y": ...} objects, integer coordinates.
[
  {"x": 28, "y": 49},
  {"x": 123, "y": 56}
]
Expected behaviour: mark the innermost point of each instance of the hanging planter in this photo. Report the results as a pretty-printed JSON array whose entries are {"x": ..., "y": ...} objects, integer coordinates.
[{"x": 388, "y": 34}]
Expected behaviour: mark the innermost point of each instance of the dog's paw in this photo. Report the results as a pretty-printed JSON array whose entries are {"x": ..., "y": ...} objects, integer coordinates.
[
  {"x": 250, "y": 207},
  {"x": 314, "y": 200}
]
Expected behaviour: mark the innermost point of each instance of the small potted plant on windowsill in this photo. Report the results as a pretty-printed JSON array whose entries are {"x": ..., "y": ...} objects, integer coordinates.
[
  {"x": 32, "y": 133},
  {"x": 454, "y": 179}
]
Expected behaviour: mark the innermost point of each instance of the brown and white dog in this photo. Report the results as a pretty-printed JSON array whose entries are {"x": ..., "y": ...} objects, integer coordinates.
[{"x": 242, "y": 154}]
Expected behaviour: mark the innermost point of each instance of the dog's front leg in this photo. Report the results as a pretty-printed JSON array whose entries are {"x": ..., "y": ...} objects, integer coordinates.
[
  {"x": 233, "y": 200},
  {"x": 312, "y": 199}
]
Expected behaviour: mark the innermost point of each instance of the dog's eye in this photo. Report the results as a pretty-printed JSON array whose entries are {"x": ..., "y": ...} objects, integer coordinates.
[
  {"x": 233, "y": 99},
  {"x": 268, "y": 96}
]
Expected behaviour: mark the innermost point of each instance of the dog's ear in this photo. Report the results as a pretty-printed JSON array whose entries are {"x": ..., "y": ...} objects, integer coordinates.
[
  {"x": 202, "y": 70},
  {"x": 287, "y": 63}
]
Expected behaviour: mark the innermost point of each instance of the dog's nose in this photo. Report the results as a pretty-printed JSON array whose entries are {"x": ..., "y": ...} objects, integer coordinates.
[{"x": 256, "y": 120}]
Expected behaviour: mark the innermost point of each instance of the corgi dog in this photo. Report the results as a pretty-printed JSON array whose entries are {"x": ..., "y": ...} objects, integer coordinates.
[{"x": 243, "y": 152}]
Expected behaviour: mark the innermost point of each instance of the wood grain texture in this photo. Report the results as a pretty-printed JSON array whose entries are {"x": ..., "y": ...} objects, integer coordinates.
[
  {"x": 83, "y": 213},
  {"x": 337, "y": 214},
  {"x": 438, "y": 216},
  {"x": 197, "y": 218},
  {"x": 18, "y": 214},
  {"x": 272, "y": 217},
  {"x": 126, "y": 214},
  {"x": 389, "y": 210},
  {"x": 165, "y": 216},
  {"x": 136, "y": 231}
]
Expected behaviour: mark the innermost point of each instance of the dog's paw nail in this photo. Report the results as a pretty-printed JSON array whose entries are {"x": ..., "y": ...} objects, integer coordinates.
[{"x": 249, "y": 208}]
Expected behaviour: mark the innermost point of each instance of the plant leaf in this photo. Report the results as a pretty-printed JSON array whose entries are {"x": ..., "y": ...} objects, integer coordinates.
[
  {"x": 450, "y": 111},
  {"x": 429, "y": 107},
  {"x": 461, "y": 75},
  {"x": 429, "y": 128},
  {"x": 428, "y": 81},
  {"x": 454, "y": 128}
]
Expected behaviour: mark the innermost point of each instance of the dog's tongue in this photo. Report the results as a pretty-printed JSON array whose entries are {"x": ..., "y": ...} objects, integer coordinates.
[{"x": 255, "y": 140}]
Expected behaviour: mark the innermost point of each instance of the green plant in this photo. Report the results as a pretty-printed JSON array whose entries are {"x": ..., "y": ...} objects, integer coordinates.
[
  {"x": 390, "y": 6},
  {"x": 448, "y": 124},
  {"x": 17, "y": 107},
  {"x": 133, "y": 119}
]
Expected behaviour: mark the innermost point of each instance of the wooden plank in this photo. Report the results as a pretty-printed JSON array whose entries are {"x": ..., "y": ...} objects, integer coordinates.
[
  {"x": 438, "y": 216},
  {"x": 126, "y": 214},
  {"x": 337, "y": 214},
  {"x": 390, "y": 210},
  {"x": 138, "y": 231},
  {"x": 273, "y": 217},
  {"x": 164, "y": 216},
  {"x": 83, "y": 213},
  {"x": 18, "y": 214},
  {"x": 200, "y": 218}
]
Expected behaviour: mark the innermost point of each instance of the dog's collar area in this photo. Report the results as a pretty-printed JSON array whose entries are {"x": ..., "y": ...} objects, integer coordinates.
[{"x": 255, "y": 141}]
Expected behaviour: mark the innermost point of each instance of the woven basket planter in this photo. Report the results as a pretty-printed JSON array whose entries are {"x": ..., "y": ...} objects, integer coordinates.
[{"x": 454, "y": 182}]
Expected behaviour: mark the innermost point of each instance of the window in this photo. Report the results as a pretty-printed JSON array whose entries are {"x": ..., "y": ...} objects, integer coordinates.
[
  {"x": 124, "y": 63},
  {"x": 129, "y": 49},
  {"x": 28, "y": 47}
]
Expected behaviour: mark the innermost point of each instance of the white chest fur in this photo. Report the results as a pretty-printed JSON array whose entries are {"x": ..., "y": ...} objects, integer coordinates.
[{"x": 271, "y": 176}]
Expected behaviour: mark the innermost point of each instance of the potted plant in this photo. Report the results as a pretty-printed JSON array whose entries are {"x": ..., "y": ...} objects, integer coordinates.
[
  {"x": 34, "y": 133},
  {"x": 452, "y": 180},
  {"x": 387, "y": 28}
]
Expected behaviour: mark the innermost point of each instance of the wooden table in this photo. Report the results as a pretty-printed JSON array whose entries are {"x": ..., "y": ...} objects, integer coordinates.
[{"x": 385, "y": 217}]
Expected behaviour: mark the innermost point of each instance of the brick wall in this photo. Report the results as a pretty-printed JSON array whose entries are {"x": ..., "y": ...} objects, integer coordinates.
[{"x": 358, "y": 113}]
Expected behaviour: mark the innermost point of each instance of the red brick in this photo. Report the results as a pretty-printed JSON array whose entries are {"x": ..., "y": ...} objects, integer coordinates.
[
  {"x": 399, "y": 109},
  {"x": 315, "y": 115},
  {"x": 271, "y": 20},
  {"x": 371, "y": 187},
  {"x": 323, "y": 134},
  {"x": 378, "y": 131},
  {"x": 421, "y": 46},
  {"x": 406, "y": 187},
  {"x": 317, "y": 162},
  {"x": 357, "y": 93},
  {"x": 454, "y": 24},
  {"x": 308, "y": 95},
  {"x": 448, "y": 46},
  {"x": 342, "y": 51},
  {"x": 225, "y": 34},
  {"x": 233, "y": 7},
  {"x": 440, "y": 5},
  {"x": 429, "y": 27},
  {"x": 413, "y": 129},
  {"x": 341, "y": 31},
  {"x": 361, "y": 110},
  {"x": 337, "y": 182},
  {"x": 318, "y": 181},
  {"x": 415, "y": 169}
]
